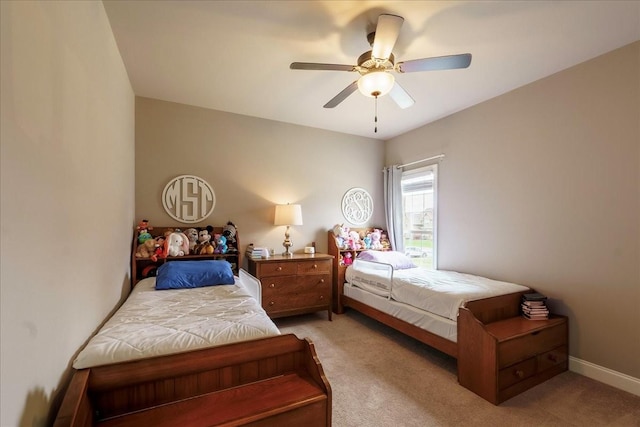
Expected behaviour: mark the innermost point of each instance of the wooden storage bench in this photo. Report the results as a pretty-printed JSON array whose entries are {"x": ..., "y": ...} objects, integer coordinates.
[
  {"x": 500, "y": 359},
  {"x": 265, "y": 382}
]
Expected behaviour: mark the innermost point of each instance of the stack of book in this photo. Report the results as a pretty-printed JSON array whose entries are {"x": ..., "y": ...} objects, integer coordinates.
[
  {"x": 534, "y": 306},
  {"x": 255, "y": 252}
]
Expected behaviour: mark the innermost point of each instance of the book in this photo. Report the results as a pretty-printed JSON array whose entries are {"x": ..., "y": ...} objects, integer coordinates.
[
  {"x": 532, "y": 312},
  {"x": 534, "y": 296},
  {"x": 533, "y": 303},
  {"x": 535, "y": 316}
]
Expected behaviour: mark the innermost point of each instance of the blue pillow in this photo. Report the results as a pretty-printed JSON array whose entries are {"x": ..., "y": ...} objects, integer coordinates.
[{"x": 194, "y": 274}]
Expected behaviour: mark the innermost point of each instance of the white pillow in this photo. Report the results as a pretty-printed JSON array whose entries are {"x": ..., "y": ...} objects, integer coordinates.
[{"x": 397, "y": 260}]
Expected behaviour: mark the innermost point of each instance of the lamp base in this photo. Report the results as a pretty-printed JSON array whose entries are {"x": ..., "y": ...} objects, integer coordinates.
[{"x": 287, "y": 244}]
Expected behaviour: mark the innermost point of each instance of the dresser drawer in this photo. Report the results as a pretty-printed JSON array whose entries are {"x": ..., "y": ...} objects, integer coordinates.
[
  {"x": 279, "y": 302},
  {"x": 292, "y": 285},
  {"x": 516, "y": 373},
  {"x": 314, "y": 267},
  {"x": 278, "y": 269},
  {"x": 552, "y": 358},
  {"x": 523, "y": 347}
]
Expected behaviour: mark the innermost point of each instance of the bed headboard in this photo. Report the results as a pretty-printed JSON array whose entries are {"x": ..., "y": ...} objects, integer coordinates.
[
  {"x": 343, "y": 252},
  {"x": 143, "y": 266}
]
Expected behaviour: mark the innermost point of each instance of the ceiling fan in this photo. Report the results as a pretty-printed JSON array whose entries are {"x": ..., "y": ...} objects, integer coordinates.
[{"x": 375, "y": 66}]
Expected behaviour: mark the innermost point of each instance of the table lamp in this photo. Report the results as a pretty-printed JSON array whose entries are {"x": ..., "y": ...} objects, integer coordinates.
[{"x": 288, "y": 215}]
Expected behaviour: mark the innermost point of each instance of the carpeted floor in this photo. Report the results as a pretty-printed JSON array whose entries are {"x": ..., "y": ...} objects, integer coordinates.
[{"x": 380, "y": 377}]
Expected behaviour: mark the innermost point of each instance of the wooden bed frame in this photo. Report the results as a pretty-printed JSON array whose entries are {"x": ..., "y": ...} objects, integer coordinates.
[
  {"x": 499, "y": 353},
  {"x": 485, "y": 311},
  {"x": 265, "y": 382}
]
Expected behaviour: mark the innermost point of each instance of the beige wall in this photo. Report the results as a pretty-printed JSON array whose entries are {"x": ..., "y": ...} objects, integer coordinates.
[
  {"x": 67, "y": 194},
  {"x": 541, "y": 186},
  {"x": 252, "y": 164}
]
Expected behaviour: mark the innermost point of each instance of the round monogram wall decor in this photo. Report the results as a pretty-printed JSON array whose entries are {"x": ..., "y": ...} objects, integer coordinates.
[
  {"x": 357, "y": 206},
  {"x": 188, "y": 199}
]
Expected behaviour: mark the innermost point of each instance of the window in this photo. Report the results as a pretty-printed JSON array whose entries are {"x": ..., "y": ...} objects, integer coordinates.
[{"x": 419, "y": 196}]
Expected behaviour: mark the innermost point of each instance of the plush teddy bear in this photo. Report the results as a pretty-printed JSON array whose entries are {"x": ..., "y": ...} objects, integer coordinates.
[
  {"x": 146, "y": 249},
  {"x": 192, "y": 235},
  {"x": 177, "y": 244}
]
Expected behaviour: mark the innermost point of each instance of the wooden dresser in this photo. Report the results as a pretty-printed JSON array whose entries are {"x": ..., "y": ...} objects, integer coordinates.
[
  {"x": 510, "y": 356},
  {"x": 296, "y": 284}
]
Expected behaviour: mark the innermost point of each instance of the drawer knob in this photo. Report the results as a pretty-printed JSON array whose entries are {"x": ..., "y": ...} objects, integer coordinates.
[
  {"x": 273, "y": 285},
  {"x": 321, "y": 296},
  {"x": 271, "y": 302},
  {"x": 552, "y": 357},
  {"x": 519, "y": 373},
  {"x": 321, "y": 280},
  {"x": 315, "y": 265},
  {"x": 279, "y": 268}
]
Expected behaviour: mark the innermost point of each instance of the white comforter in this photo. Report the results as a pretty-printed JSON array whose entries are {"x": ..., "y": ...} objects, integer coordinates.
[
  {"x": 154, "y": 323},
  {"x": 439, "y": 292}
]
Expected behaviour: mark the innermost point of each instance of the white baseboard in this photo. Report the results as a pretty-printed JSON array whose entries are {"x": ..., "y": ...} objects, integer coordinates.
[{"x": 605, "y": 375}]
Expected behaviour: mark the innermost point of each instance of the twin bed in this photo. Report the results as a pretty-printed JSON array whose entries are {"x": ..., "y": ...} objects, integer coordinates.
[
  {"x": 193, "y": 346},
  {"x": 424, "y": 303},
  {"x": 471, "y": 318}
]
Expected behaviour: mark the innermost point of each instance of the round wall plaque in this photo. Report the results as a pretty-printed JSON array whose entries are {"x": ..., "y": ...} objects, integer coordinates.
[
  {"x": 188, "y": 199},
  {"x": 357, "y": 206}
]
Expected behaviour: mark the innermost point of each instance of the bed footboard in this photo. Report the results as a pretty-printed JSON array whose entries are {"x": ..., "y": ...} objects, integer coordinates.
[{"x": 277, "y": 380}]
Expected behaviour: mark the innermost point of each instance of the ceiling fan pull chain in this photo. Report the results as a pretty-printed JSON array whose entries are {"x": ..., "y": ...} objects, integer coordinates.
[{"x": 375, "y": 120}]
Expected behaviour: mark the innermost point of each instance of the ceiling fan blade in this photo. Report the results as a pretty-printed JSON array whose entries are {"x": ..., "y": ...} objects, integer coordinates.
[
  {"x": 342, "y": 95},
  {"x": 326, "y": 67},
  {"x": 436, "y": 63},
  {"x": 387, "y": 32},
  {"x": 400, "y": 96}
]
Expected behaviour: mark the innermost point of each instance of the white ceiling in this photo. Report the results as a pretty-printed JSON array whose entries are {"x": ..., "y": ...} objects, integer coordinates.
[{"x": 234, "y": 56}]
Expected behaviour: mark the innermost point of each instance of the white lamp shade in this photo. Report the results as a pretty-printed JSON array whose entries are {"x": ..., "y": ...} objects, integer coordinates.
[
  {"x": 376, "y": 83},
  {"x": 288, "y": 215}
]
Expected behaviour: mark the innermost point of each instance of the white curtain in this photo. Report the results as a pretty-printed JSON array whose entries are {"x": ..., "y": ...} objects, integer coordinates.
[{"x": 393, "y": 206}]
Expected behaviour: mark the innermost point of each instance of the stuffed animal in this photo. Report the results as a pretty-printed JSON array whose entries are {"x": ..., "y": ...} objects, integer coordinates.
[
  {"x": 220, "y": 244},
  {"x": 367, "y": 241},
  {"x": 146, "y": 248},
  {"x": 229, "y": 231},
  {"x": 158, "y": 252},
  {"x": 177, "y": 244},
  {"x": 347, "y": 259},
  {"x": 204, "y": 241},
  {"x": 376, "y": 235},
  {"x": 341, "y": 234},
  {"x": 192, "y": 235},
  {"x": 205, "y": 248},
  {"x": 144, "y": 227},
  {"x": 354, "y": 240}
]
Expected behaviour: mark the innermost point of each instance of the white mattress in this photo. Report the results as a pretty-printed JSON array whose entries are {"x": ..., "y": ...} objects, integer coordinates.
[
  {"x": 439, "y": 292},
  {"x": 154, "y": 323},
  {"x": 444, "y": 292},
  {"x": 438, "y": 325}
]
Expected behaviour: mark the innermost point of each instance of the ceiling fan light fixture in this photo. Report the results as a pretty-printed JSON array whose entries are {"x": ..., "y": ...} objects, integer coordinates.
[{"x": 376, "y": 83}]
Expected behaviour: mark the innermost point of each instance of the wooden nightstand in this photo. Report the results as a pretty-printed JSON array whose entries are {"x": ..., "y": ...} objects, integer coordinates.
[
  {"x": 295, "y": 284},
  {"x": 511, "y": 355}
]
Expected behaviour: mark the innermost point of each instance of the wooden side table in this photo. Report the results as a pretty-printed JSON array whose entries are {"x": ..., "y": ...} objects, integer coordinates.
[{"x": 296, "y": 284}]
